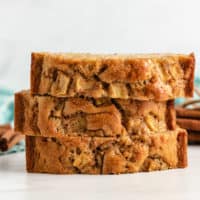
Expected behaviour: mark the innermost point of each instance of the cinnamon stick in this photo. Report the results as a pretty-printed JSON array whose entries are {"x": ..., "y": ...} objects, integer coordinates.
[
  {"x": 5, "y": 126},
  {"x": 187, "y": 113},
  {"x": 8, "y": 138},
  {"x": 194, "y": 137},
  {"x": 189, "y": 124},
  {"x": 188, "y": 117},
  {"x": 189, "y": 103}
]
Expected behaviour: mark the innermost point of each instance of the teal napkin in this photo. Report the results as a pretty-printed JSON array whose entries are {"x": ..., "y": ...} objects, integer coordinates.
[{"x": 7, "y": 115}]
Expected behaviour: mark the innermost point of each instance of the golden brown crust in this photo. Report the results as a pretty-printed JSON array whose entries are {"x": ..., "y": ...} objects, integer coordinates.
[
  {"x": 142, "y": 77},
  {"x": 182, "y": 146},
  {"x": 171, "y": 115},
  {"x": 93, "y": 155},
  {"x": 19, "y": 109},
  {"x": 36, "y": 70},
  {"x": 30, "y": 153},
  {"x": 189, "y": 74},
  {"x": 55, "y": 117}
]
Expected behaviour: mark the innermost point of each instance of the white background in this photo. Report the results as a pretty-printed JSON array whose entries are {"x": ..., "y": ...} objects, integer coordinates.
[{"x": 103, "y": 26}]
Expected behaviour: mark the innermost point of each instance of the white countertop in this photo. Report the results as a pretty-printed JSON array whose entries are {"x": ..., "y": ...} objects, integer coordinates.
[{"x": 181, "y": 184}]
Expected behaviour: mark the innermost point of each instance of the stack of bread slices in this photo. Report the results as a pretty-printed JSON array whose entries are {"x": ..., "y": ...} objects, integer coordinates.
[{"x": 104, "y": 114}]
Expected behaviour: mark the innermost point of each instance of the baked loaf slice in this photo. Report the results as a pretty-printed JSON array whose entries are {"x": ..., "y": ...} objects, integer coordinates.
[
  {"x": 97, "y": 155},
  {"x": 141, "y": 77},
  {"x": 55, "y": 117}
]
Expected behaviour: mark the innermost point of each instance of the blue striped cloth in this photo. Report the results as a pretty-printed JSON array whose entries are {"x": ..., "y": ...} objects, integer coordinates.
[{"x": 7, "y": 114}]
